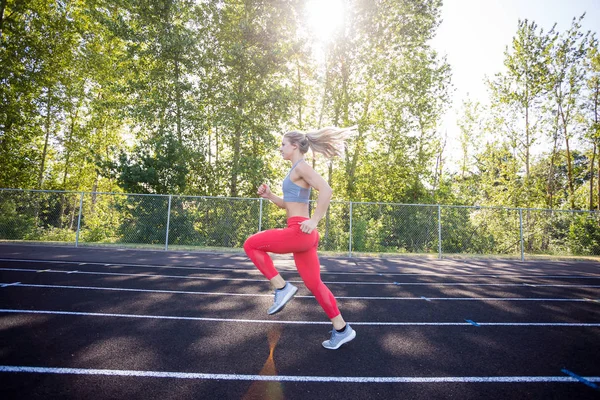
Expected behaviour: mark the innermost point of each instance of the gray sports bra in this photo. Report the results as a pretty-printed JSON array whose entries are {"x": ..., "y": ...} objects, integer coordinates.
[{"x": 292, "y": 192}]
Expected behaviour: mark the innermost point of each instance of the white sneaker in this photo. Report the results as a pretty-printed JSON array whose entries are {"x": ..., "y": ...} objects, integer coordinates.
[{"x": 282, "y": 296}]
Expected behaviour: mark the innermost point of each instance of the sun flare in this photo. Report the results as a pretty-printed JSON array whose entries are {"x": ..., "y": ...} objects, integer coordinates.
[{"x": 325, "y": 17}]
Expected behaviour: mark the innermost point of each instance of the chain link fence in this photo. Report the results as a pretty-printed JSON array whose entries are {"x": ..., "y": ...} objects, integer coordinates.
[{"x": 353, "y": 228}]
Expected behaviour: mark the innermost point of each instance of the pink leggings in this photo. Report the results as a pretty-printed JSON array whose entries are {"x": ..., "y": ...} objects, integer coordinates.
[{"x": 304, "y": 248}]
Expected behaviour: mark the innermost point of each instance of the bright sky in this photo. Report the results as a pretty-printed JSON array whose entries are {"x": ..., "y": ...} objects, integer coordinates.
[{"x": 475, "y": 33}]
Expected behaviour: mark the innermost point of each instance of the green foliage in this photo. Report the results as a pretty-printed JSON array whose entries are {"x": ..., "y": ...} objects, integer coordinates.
[
  {"x": 51, "y": 234},
  {"x": 13, "y": 223},
  {"x": 334, "y": 230},
  {"x": 584, "y": 235},
  {"x": 156, "y": 167},
  {"x": 213, "y": 222},
  {"x": 144, "y": 219},
  {"x": 225, "y": 223},
  {"x": 480, "y": 231},
  {"x": 395, "y": 228},
  {"x": 185, "y": 97},
  {"x": 100, "y": 219}
]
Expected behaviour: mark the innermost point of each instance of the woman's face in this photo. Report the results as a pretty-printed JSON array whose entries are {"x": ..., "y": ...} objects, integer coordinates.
[{"x": 287, "y": 149}]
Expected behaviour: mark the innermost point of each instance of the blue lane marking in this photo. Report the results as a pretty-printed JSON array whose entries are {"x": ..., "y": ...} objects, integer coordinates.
[
  {"x": 11, "y": 284},
  {"x": 580, "y": 379},
  {"x": 472, "y": 322}
]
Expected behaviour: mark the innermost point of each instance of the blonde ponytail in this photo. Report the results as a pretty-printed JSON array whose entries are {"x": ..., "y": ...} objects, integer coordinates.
[{"x": 327, "y": 141}]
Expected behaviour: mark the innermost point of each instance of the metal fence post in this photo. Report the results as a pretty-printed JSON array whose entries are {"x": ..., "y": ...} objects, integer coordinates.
[
  {"x": 260, "y": 214},
  {"x": 350, "y": 236},
  {"x": 439, "y": 231},
  {"x": 521, "y": 234},
  {"x": 79, "y": 221},
  {"x": 168, "y": 222}
]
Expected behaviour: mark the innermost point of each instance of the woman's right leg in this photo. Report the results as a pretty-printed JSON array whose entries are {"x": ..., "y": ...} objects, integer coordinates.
[
  {"x": 273, "y": 241},
  {"x": 280, "y": 241}
]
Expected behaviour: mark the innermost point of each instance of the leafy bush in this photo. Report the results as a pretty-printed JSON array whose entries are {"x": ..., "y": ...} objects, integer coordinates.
[
  {"x": 584, "y": 235},
  {"x": 14, "y": 225}
]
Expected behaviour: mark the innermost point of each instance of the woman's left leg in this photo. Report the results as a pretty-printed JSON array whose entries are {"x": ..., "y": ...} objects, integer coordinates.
[{"x": 308, "y": 266}]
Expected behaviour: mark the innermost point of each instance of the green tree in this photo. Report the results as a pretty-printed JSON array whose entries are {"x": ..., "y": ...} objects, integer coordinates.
[
  {"x": 382, "y": 75},
  {"x": 567, "y": 73},
  {"x": 471, "y": 128},
  {"x": 520, "y": 90},
  {"x": 499, "y": 180},
  {"x": 254, "y": 67},
  {"x": 36, "y": 46},
  {"x": 592, "y": 118}
]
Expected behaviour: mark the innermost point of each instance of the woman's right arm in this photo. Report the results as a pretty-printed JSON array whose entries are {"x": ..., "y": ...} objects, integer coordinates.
[{"x": 265, "y": 193}]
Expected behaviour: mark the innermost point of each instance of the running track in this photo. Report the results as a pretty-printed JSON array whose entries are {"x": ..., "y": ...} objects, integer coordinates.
[{"x": 99, "y": 323}]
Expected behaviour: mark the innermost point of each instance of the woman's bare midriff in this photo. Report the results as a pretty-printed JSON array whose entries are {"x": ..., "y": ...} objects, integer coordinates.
[{"x": 296, "y": 209}]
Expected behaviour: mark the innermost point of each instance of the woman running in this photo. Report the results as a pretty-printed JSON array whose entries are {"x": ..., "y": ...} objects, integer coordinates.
[{"x": 301, "y": 237}]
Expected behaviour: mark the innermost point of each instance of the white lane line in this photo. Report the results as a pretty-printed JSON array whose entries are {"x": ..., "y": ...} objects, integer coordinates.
[
  {"x": 138, "y": 275},
  {"x": 471, "y": 284},
  {"x": 19, "y": 284},
  {"x": 297, "y": 378},
  {"x": 263, "y": 321},
  {"x": 542, "y": 299},
  {"x": 251, "y": 270},
  {"x": 565, "y": 324},
  {"x": 225, "y": 269},
  {"x": 145, "y": 290},
  {"x": 296, "y": 281}
]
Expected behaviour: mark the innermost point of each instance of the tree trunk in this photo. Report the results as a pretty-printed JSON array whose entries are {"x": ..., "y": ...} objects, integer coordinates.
[
  {"x": 73, "y": 209},
  {"x": 550, "y": 183},
  {"x": 527, "y": 145},
  {"x": 178, "y": 101},
  {"x": 44, "y": 152},
  {"x": 66, "y": 170},
  {"x": 596, "y": 137},
  {"x": 237, "y": 138},
  {"x": 569, "y": 161},
  {"x": 593, "y": 160},
  {"x": 300, "y": 96},
  {"x": 351, "y": 187},
  {"x": 439, "y": 166},
  {"x": 570, "y": 174},
  {"x": 235, "y": 163},
  {"x": 2, "y": 8},
  {"x": 324, "y": 101},
  {"x": 327, "y": 215},
  {"x": 68, "y": 148},
  {"x": 94, "y": 192},
  {"x": 216, "y": 144}
]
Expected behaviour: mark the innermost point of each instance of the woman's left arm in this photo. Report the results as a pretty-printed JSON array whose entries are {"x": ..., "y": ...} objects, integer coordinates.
[{"x": 316, "y": 181}]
